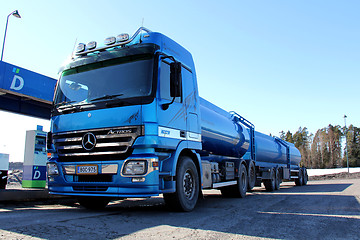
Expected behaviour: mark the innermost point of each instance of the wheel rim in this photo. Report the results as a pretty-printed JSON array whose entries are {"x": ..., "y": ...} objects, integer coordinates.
[{"x": 189, "y": 186}]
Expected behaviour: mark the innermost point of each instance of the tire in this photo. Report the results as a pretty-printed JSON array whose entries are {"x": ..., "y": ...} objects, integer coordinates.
[
  {"x": 270, "y": 183},
  {"x": 93, "y": 203},
  {"x": 305, "y": 176},
  {"x": 299, "y": 181},
  {"x": 251, "y": 176},
  {"x": 278, "y": 179},
  {"x": 187, "y": 187},
  {"x": 238, "y": 190}
]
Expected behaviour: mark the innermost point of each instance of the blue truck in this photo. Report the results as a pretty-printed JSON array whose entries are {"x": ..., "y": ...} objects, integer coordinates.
[{"x": 128, "y": 121}]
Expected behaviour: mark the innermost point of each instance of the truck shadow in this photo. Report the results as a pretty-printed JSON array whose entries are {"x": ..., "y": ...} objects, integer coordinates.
[
  {"x": 310, "y": 188},
  {"x": 290, "y": 213}
]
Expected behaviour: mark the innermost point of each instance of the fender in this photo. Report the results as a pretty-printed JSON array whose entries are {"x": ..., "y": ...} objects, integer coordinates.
[{"x": 170, "y": 164}]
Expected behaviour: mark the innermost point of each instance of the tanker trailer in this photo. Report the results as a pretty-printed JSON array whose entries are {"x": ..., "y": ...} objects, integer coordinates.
[{"x": 229, "y": 140}]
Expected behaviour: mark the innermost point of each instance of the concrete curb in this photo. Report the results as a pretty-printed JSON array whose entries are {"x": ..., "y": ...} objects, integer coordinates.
[{"x": 24, "y": 194}]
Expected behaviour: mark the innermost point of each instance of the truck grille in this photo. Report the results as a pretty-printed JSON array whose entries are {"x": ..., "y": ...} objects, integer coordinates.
[{"x": 96, "y": 144}]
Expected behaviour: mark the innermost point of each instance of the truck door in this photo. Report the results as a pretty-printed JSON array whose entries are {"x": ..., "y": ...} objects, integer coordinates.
[
  {"x": 190, "y": 99},
  {"x": 172, "y": 121}
]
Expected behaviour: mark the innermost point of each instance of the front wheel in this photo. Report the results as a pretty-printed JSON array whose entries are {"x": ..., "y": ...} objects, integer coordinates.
[{"x": 187, "y": 187}]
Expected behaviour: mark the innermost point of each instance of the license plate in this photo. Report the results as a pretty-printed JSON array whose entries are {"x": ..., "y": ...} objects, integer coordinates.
[{"x": 87, "y": 169}]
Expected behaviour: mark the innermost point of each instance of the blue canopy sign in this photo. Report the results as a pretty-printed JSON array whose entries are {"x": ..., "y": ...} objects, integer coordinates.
[{"x": 25, "y": 92}]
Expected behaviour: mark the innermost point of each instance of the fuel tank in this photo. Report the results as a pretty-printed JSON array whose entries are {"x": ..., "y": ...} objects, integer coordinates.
[
  {"x": 223, "y": 136},
  {"x": 220, "y": 134}
]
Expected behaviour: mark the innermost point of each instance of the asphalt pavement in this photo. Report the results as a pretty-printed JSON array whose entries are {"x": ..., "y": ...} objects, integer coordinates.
[{"x": 321, "y": 210}]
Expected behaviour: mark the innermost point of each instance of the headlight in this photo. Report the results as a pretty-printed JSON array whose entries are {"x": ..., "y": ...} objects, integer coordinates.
[
  {"x": 134, "y": 168},
  {"x": 52, "y": 169}
]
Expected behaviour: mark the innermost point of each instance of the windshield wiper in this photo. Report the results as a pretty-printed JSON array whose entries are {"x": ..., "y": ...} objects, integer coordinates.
[
  {"x": 118, "y": 102},
  {"x": 63, "y": 103},
  {"x": 106, "y": 97}
]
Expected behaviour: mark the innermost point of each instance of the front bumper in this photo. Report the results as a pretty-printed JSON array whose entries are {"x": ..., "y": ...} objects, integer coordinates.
[{"x": 104, "y": 183}]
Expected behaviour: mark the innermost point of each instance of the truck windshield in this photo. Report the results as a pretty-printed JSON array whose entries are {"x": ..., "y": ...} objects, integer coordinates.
[{"x": 103, "y": 81}]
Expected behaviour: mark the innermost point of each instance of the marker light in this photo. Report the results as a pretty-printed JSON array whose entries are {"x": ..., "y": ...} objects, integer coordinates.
[
  {"x": 80, "y": 47},
  {"x": 52, "y": 169},
  {"x": 110, "y": 40},
  {"x": 122, "y": 37},
  {"x": 91, "y": 45}
]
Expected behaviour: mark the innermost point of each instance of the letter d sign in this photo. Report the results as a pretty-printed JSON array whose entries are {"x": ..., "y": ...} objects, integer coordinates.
[
  {"x": 14, "y": 83},
  {"x": 37, "y": 174}
]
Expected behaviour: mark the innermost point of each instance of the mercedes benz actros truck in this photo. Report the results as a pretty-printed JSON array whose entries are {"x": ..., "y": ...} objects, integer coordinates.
[{"x": 128, "y": 121}]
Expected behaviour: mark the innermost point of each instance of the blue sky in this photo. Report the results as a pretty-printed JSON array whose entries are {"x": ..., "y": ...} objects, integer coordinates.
[{"x": 281, "y": 64}]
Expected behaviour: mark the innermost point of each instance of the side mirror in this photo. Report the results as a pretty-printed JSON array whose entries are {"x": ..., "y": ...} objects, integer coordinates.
[{"x": 175, "y": 79}]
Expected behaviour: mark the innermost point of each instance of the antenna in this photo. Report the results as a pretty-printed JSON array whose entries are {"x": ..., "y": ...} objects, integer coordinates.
[
  {"x": 142, "y": 25},
  {"x": 72, "y": 54}
]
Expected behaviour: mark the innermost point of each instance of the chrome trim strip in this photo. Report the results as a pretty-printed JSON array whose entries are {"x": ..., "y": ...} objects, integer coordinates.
[
  {"x": 224, "y": 184},
  {"x": 90, "y": 153}
]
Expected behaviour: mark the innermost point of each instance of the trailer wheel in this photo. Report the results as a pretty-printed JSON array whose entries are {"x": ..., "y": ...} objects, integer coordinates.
[
  {"x": 252, "y": 176},
  {"x": 299, "y": 181},
  {"x": 305, "y": 176},
  {"x": 187, "y": 187},
  {"x": 93, "y": 203},
  {"x": 278, "y": 179},
  {"x": 270, "y": 183},
  {"x": 238, "y": 190}
]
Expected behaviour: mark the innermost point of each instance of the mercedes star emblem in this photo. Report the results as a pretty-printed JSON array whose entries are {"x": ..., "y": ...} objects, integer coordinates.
[{"x": 89, "y": 141}]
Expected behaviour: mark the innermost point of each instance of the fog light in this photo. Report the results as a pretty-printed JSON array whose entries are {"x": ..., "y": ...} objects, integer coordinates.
[
  {"x": 138, "y": 179},
  {"x": 135, "y": 168},
  {"x": 52, "y": 169}
]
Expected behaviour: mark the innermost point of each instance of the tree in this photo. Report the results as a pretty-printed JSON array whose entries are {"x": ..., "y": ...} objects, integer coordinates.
[
  {"x": 302, "y": 140},
  {"x": 316, "y": 158},
  {"x": 324, "y": 149},
  {"x": 353, "y": 140},
  {"x": 334, "y": 138}
]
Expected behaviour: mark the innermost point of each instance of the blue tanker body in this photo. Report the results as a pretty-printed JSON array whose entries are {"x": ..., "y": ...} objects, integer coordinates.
[
  {"x": 128, "y": 121},
  {"x": 220, "y": 135},
  {"x": 269, "y": 150},
  {"x": 223, "y": 136}
]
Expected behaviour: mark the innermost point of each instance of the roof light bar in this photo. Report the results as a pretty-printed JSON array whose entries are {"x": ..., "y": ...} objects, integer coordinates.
[
  {"x": 91, "y": 45},
  {"x": 122, "y": 37},
  {"x": 80, "y": 47},
  {"x": 110, "y": 40}
]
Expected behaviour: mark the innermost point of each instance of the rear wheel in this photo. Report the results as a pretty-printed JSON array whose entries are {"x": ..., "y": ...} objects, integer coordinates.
[
  {"x": 305, "y": 176},
  {"x": 252, "y": 176},
  {"x": 270, "y": 183},
  {"x": 278, "y": 179},
  {"x": 238, "y": 190},
  {"x": 299, "y": 181},
  {"x": 93, "y": 203},
  {"x": 187, "y": 187}
]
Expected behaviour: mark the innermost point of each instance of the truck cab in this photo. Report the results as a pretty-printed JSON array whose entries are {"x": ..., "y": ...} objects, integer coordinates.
[{"x": 122, "y": 115}]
